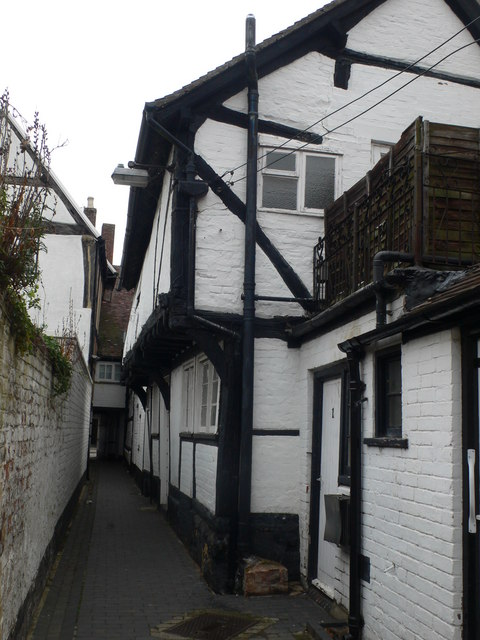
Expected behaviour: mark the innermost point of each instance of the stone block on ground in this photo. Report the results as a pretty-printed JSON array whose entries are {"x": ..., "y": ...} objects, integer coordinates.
[{"x": 264, "y": 577}]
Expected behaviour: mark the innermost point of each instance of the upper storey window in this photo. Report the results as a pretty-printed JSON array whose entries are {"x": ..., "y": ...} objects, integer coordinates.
[{"x": 299, "y": 181}]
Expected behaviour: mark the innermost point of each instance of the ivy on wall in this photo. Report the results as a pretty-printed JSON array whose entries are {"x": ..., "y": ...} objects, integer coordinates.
[{"x": 24, "y": 201}]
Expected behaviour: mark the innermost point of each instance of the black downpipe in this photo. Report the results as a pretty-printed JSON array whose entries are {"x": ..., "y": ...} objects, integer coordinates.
[
  {"x": 248, "y": 345},
  {"x": 379, "y": 261},
  {"x": 356, "y": 387}
]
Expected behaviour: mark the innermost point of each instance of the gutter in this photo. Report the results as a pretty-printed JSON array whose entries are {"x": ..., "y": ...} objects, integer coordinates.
[{"x": 333, "y": 313}]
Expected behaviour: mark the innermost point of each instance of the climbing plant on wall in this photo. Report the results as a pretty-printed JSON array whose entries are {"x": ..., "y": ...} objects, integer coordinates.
[{"x": 24, "y": 201}]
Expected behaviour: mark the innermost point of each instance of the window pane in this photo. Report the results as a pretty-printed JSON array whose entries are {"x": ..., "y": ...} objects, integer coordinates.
[
  {"x": 118, "y": 372},
  {"x": 108, "y": 372},
  {"x": 101, "y": 373},
  {"x": 394, "y": 376},
  {"x": 319, "y": 182},
  {"x": 213, "y": 407},
  {"x": 389, "y": 400},
  {"x": 279, "y": 192},
  {"x": 280, "y": 161},
  {"x": 394, "y": 412}
]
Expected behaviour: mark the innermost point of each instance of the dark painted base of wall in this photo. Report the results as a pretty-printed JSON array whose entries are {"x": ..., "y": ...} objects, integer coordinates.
[
  {"x": 149, "y": 486},
  {"x": 272, "y": 536},
  {"x": 276, "y": 536},
  {"x": 25, "y": 614},
  {"x": 206, "y": 537}
]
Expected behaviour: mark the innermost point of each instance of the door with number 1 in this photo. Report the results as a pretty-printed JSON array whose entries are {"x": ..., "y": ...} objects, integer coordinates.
[{"x": 329, "y": 478}]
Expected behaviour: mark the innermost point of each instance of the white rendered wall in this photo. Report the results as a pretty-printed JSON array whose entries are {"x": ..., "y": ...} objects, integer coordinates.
[
  {"x": 186, "y": 469},
  {"x": 109, "y": 395},
  {"x": 298, "y": 95},
  {"x": 155, "y": 274},
  {"x": 62, "y": 288},
  {"x": 275, "y": 474},
  {"x": 138, "y": 452},
  {"x": 182, "y": 453},
  {"x": 176, "y": 423},
  {"x": 391, "y": 24},
  {"x": 206, "y": 475}
]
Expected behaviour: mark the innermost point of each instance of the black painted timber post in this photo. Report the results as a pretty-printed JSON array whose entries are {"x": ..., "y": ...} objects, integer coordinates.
[{"x": 245, "y": 463}]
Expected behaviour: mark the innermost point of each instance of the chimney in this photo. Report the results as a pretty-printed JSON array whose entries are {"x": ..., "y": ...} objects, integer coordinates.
[
  {"x": 90, "y": 211},
  {"x": 108, "y": 234}
]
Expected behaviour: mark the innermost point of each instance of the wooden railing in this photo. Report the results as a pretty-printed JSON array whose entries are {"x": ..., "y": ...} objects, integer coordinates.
[{"x": 422, "y": 198}]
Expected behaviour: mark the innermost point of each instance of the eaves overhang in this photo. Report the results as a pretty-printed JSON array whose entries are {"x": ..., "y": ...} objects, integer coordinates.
[{"x": 155, "y": 349}]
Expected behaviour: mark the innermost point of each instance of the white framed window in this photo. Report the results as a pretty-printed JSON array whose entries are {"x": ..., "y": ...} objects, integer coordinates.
[
  {"x": 200, "y": 397},
  {"x": 303, "y": 181},
  {"x": 189, "y": 396},
  {"x": 108, "y": 372},
  {"x": 208, "y": 385},
  {"x": 378, "y": 150}
]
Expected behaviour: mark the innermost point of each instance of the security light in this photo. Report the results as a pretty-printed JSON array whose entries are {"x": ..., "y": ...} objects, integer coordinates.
[{"x": 131, "y": 177}]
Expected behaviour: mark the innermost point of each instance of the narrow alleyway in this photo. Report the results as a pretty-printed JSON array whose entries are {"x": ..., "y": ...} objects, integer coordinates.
[{"x": 123, "y": 574}]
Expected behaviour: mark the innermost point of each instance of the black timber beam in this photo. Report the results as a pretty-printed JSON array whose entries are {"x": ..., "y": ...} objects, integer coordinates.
[
  {"x": 367, "y": 59},
  {"x": 238, "y": 119},
  {"x": 237, "y": 207}
]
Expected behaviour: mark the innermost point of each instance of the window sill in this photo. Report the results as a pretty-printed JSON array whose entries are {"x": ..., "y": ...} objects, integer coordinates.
[
  {"x": 293, "y": 212},
  {"x": 395, "y": 443}
]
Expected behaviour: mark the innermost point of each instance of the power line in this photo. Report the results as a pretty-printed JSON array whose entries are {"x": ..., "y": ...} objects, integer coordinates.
[{"x": 358, "y": 98}]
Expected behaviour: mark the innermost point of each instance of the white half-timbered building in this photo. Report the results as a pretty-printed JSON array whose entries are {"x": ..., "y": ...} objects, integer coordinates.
[{"x": 336, "y": 92}]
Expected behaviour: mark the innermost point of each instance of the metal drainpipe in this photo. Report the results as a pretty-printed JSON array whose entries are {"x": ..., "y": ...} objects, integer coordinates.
[
  {"x": 379, "y": 261},
  {"x": 245, "y": 463},
  {"x": 356, "y": 387}
]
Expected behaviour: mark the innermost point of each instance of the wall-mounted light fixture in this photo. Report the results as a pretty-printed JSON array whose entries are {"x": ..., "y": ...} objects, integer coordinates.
[{"x": 131, "y": 176}]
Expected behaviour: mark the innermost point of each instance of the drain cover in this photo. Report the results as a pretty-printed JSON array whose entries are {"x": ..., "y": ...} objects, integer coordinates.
[{"x": 212, "y": 625}]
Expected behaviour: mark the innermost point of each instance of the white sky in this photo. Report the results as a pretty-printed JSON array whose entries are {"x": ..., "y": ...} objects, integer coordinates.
[{"x": 89, "y": 67}]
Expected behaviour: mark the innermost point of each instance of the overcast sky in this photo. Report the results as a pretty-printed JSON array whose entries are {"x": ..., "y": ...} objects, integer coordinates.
[{"x": 89, "y": 67}]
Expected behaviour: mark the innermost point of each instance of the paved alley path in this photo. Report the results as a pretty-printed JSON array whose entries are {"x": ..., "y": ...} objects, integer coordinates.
[{"x": 123, "y": 574}]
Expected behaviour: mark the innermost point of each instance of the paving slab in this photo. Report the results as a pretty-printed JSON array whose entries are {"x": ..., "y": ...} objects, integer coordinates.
[{"x": 123, "y": 574}]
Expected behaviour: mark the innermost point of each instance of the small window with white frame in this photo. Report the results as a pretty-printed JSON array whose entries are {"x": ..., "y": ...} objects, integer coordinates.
[
  {"x": 379, "y": 150},
  {"x": 208, "y": 391},
  {"x": 298, "y": 180},
  {"x": 200, "y": 397},
  {"x": 108, "y": 372}
]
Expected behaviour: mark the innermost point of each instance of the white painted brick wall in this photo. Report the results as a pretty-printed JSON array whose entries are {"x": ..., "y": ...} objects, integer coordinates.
[
  {"x": 206, "y": 475},
  {"x": 392, "y": 24},
  {"x": 275, "y": 471},
  {"x": 298, "y": 95},
  {"x": 176, "y": 423},
  {"x": 186, "y": 469},
  {"x": 411, "y": 498},
  {"x": 43, "y": 455}
]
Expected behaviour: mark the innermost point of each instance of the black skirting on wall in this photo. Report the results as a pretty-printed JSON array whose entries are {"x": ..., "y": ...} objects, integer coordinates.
[
  {"x": 207, "y": 538},
  {"x": 276, "y": 536}
]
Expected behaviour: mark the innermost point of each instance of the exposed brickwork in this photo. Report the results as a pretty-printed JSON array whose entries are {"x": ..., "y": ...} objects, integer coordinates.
[
  {"x": 43, "y": 456},
  {"x": 113, "y": 322},
  {"x": 108, "y": 234}
]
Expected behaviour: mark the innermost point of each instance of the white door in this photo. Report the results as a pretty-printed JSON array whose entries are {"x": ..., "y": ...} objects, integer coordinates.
[{"x": 329, "y": 460}]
